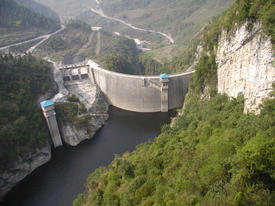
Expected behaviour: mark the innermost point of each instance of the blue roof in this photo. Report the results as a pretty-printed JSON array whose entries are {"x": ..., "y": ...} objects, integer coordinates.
[
  {"x": 46, "y": 103},
  {"x": 164, "y": 76}
]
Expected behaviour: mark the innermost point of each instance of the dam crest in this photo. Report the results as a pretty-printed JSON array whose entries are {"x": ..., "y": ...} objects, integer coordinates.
[{"x": 135, "y": 93}]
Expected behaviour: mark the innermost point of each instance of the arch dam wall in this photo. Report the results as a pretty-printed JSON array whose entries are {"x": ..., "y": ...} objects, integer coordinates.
[{"x": 141, "y": 93}]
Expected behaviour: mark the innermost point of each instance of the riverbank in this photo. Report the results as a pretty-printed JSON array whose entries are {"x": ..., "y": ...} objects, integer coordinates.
[{"x": 60, "y": 180}]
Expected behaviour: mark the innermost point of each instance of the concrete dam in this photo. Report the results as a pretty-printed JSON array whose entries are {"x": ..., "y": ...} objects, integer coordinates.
[{"x": 134, "y": 92}]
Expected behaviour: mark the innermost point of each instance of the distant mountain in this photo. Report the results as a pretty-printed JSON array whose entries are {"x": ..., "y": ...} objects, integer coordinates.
[
  {"x": 182, "y": 19},
  {"x": 39, "y": 8},
  {"x": 18, "y": 23}
]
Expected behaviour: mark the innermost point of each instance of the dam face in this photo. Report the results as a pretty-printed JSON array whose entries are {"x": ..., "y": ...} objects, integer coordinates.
[{"x": 141, "y": 93}]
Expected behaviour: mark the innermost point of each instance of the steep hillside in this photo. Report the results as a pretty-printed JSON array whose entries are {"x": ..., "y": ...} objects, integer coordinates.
[
  {"x": 39, "y": 8},
  {"x": 18, "y": 23},
  {"x": 23, "y": 81},
  {"x": 214, "y": 154},
  {"x": 24, "y": 142},
  {"x": 237, "y": 52}
]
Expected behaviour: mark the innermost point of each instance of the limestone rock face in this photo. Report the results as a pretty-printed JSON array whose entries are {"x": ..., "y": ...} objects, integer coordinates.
[
  {"x": 245, "y": 62},
  {"x": 23, "y": 166},
  {"x": 97, "y": 107}
]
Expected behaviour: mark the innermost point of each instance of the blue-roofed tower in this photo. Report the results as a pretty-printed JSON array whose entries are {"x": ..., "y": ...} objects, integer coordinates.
[{"x": 49, "y": 114}]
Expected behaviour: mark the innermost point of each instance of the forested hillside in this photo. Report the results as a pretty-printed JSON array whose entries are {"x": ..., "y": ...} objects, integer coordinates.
[
  {"x": 22, "y": 81},
  {"x": 18, "y": 23},
  {"x": 39, "y": 8},
  {"x": 214, "y": 154}
]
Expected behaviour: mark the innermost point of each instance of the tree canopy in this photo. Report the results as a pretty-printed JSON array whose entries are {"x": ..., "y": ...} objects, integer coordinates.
[{"x": 22, "y": 81}]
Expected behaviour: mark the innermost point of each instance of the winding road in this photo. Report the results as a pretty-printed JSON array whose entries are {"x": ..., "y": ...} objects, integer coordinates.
[
  {"x": 100, "y": 12},
  {"x": 43, "y": 39}
]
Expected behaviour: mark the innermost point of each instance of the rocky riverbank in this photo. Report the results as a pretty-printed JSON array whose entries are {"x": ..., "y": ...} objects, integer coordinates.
[{"x": 23, "y": 166}]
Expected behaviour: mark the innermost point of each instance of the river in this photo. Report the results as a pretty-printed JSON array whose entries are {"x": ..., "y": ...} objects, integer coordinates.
[{"x": 58, "y": 182}]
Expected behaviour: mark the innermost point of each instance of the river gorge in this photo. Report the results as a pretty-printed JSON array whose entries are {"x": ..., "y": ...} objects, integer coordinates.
[{"x": 60, "y": 180}]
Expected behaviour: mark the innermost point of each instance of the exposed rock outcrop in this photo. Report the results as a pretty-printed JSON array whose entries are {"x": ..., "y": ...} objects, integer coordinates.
[
  {"x": 245, "y": 62},
  {"x": 96, "y": 106},
  {"x": 91, "y": 97},
  {"x": 23, "y": 166}
]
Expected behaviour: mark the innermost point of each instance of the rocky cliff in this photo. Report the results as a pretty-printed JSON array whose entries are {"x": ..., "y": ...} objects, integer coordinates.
[
  {"x": 245, "y": 60},
  {"x": 23, "y": 166},
  {"x": 97, "y": 109}
]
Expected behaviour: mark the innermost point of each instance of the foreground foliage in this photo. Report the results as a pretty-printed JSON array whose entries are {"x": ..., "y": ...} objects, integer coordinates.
[
  {"x": 213, "y": 155},
  {"x": 22, "y": 127}
]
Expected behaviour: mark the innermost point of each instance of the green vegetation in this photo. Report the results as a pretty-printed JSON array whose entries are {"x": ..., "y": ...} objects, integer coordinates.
[
  {"x": 213, "y": 155},
  {"x": 22, "y": 48},
  {"x": 73, "y": 98},
  {"x": 39, "y": 8},
  {"x": 78, "y": 42},
  {"x": 122, "y": 57},
  {"x": 178, "y": 18},
  {"x": 18, "y": 23},
  {"x": 22, "y": 81},
  {"x": 151, "y": 66},
  {"x": 64, "y": 46},
  {"x": 241, "y": 11},
  {"x": 73, "y": 112},
  {"x": 254, "y": 10},
  {"x": 178, "y": 63},
  {"x": 182, "y": 19}
]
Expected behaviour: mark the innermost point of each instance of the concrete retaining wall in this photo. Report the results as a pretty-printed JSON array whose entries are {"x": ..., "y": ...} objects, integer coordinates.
[{"x": 139, "y": 93}]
